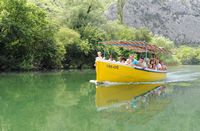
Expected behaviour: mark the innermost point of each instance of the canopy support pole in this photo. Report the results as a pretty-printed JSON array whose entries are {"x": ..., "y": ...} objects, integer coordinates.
[{"x": 146, "y": 50}]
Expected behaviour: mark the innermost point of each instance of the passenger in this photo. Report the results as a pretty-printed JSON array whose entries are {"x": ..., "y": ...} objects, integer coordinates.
[
  {"x": 164, "y": 67},
  {"x": 131, "y": 60},
  {"x": 111, "y": 58},
  {"x": 158, "y": 65},
  {"x": 153, "y": 59},
  {"x": 152, "y": 64},
  {"x": 123, "y": 60},
  {"x": 99, "y": 56},
  {"x": 145, "y": 62},
  {"x": 141, "y": 63}
]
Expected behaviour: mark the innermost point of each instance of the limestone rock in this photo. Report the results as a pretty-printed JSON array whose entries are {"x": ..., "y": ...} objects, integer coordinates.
[{"x": 177, "y": 19}]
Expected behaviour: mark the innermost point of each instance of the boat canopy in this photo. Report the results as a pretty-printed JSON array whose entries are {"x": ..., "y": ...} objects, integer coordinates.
[{"x": 138, "y": 46}]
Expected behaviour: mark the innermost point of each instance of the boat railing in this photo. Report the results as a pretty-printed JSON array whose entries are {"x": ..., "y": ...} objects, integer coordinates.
[{"x": 136, "y": 67}]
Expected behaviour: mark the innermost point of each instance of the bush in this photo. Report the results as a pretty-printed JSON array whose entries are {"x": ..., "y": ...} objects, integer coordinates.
[
  {"x": 161, "y": 41},
  {"x": 188, "y": 55}
]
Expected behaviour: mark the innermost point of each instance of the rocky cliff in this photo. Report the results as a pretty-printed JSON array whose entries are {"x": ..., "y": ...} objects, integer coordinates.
[{"x": 177, "y": 19}]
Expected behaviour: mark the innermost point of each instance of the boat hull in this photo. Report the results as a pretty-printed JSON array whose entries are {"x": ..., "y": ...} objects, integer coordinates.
[{"x": 117, "y": 72}]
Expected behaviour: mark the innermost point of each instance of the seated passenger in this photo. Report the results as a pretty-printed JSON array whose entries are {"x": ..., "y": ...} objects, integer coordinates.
[
  {"x": 99, "y": 56},
  {"x": 111, "y": 58},
  {"x": 164, "y": 67},
  {"x": 158, "y": 65},
  {"x": 131, "y": 60},
  {"x": 152, "y": 64},
  {"x": 134, "y": 62},
  {"x": 123, "y": 60},
  {"x": 128, "y": 61},
  {"x": 141, "y": 63}
]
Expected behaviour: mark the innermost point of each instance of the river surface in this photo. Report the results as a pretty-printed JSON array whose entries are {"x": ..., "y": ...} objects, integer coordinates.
[{"x": 67, "y": 101}]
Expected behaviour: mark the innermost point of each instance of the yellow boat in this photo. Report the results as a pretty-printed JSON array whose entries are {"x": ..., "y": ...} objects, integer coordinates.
[
  {"x": 107, "y": 71},
  {"x": 119, "y": 94}
]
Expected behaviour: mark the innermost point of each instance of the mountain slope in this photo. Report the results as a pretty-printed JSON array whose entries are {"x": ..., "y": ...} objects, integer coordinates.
[{"x": 177, "y": 19}]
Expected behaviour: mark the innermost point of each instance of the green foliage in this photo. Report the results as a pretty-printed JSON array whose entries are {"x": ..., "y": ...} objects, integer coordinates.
[
  {"x": 161, "y": 41},
  {"x": 120, "y": 8},
  {"x": 67, "y": 36},
  {"x": 54, "y": 8},
  {"x": 170, "y": 59},
  {"x": 26, "y": 38},
  {"x": 76, "y": 49},
  {"x": 118, "y": 31},
  {"x": 93, "y": 34},
  {"x": 188, "y": 55},
  {"x": 83, "y": 13},
  {"x": 143, "y": 34}
]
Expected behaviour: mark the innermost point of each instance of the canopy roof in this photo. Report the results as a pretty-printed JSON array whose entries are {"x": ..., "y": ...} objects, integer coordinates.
[{"x": 137, "y": 46}]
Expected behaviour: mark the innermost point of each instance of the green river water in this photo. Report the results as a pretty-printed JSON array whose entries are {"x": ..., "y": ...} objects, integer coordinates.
[{"x": 67, "y": 101}]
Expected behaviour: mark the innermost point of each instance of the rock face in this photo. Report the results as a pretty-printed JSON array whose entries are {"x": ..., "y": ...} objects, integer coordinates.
[{"x": 177, "y": 19}]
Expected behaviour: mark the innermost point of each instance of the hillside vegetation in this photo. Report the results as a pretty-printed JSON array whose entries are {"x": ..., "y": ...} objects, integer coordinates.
[{"x": 55, "y": 34}]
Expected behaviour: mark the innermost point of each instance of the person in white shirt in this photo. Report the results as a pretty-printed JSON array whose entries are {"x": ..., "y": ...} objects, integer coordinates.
[
  {"x": 99, "y": 56},
  {"x": 111, "y": 58},
  {"x": 158, "y": 65}
]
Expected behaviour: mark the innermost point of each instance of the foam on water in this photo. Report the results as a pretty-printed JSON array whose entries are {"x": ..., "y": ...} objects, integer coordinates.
[{"x": 181, "y": 76}]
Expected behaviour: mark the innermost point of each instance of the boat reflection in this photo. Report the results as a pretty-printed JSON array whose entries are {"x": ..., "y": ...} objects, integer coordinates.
[{"x": 133, "y": 96}]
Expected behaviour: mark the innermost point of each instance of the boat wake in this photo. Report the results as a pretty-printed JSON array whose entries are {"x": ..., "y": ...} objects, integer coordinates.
[{"x": 182, "y": 76}]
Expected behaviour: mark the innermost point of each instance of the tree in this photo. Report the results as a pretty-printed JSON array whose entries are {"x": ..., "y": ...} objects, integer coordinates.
[
  {"x": 161, "y": 41},
  {"x": 83, "y": 13},
  {"x": 143, "y": 34},
  {"x": 120, "y": 7},
  {"x": 188, "y": 55},
  {"x": 118, "y": 31},
  {"x": 27, "y": 38},
  {"x": 76, "y": 49}
]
